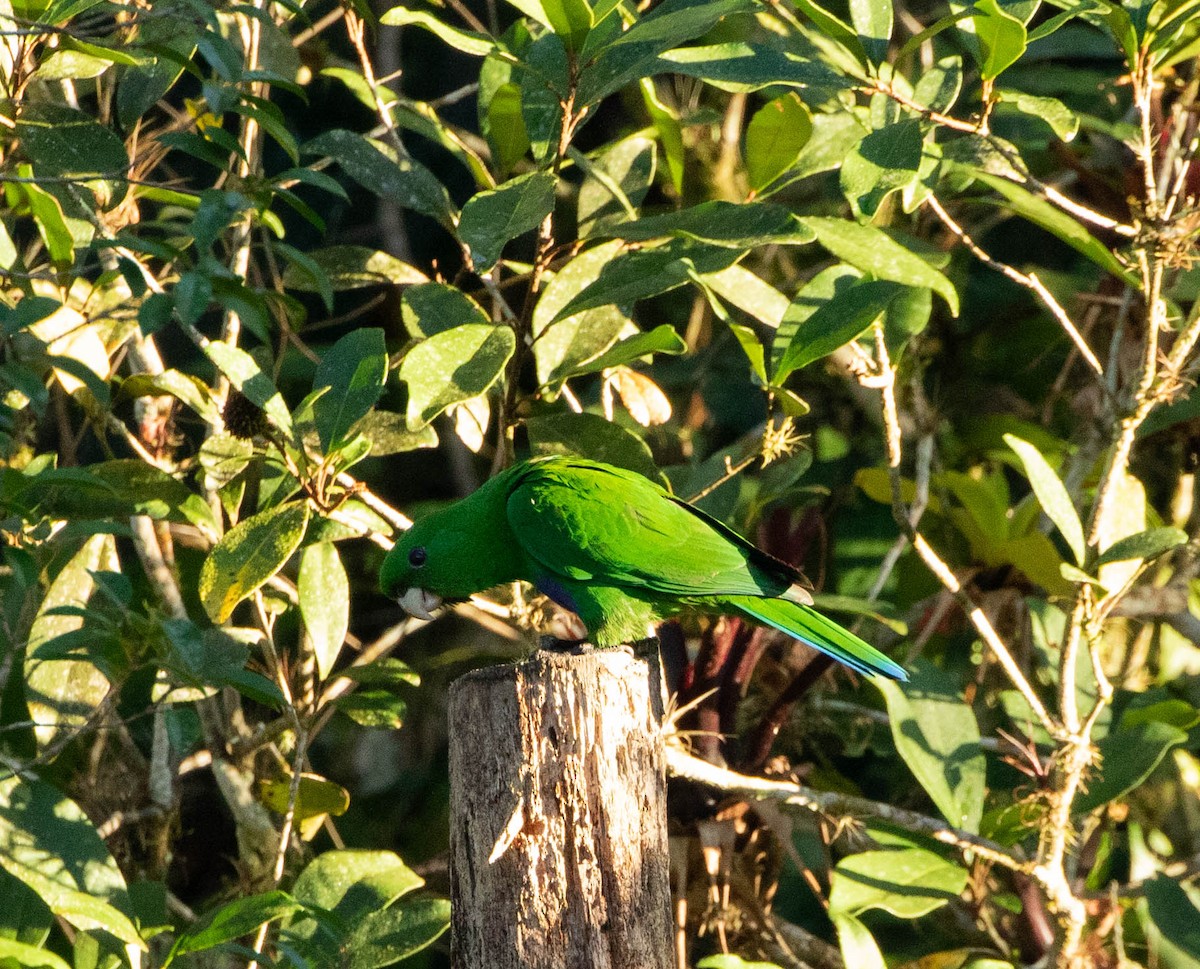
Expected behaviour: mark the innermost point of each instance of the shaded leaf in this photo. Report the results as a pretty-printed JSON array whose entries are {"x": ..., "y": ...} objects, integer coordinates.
[
  {"x": 886, "y": 160},
  {"x": 397, "y": 932},
  {"x": 234, "y": 920},
  {"x": 1127, "y": 757},
  {"x": 436, "y": 307},
  {"x": 719, "y": 223},
  {"x": 777, "y": 133},
  {"x": 908, "y": 882},
  {"x": 353, "y": 267},
  {"x": 1144, "y": 545},
  {"x": 315, "y": 796},
  {"x": 936, "y": 734},
  {"x": 1174, "y": 914},
  {"x": 63, "y": 693},
  {"x": 833, "y": 324},
  {"x": 354, "y": 370},
  {"x": 591, "y": 436}
]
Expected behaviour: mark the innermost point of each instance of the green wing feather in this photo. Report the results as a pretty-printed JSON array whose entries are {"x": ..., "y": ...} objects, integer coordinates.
[
  {"x": 811, "y": 627},
  {"x": 591, "y": 522}
]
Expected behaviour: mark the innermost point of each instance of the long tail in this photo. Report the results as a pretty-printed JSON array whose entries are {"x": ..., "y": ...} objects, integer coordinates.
[{"x": 815, "y": 630}]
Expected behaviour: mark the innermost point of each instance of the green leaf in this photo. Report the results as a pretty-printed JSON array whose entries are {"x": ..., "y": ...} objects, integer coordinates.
[
  {"x": 832, "y": 324},
  {"x": 63, "y": 693},
  {"x": 47, "y": 842},
  {"x": 777, "y": 133},
  {"x": 936, "y": 734},
  {"x": 885, "y": 161},
  {"x": 938, "y": 87},
  {"x": 591, "y": 436},
  {"x": 1062, "y": 120},
  {"x": 1144, "y": 545},
  {"x": 324, "y": 593},
  {"x": 379, "y": 709},
  {"x": 626, "y": 167},
  {"x": 740, "y": 67},
  {"x": 662, "y": 339},
  {"x": 872, "y": 20},
  {"x": 570, "y": 19},
  {"x": 493, "y": 218},
  {"x": 388, "y": 671},
  {"x": 29, "y": 955},
  {"x": 383, "y": 938},
  {"x": 506, "y": 126},
  {"x": 1174, "y": 914},
  {"x": 1128, "y": 757},
  {"x": 354, "y": 883},
  {"x": 632, "y": 55},
  {"x": 389, "y": 434},
  {"x": 405, "y": 182},
  {"x": 908, "y": 883},
  {"x": 467, "y": 41},
  {"x": 1001, "y": 36},
  {"x": 64, "y": 143},
  {"x": 51, "y": 224},
  {"x": 640, "y": 273},
  {"x": 561, "y": 348},
  {"x": 248, "y": 555},
  {"x": 719, "y": 223},
  {"x": 248, "y": 377},
  {"x": 1051, "y": 495},
  {"x": 354, "y": 267},
  {"x": 232, "y": 921},
  {"x": 354, "y": 369},
  {"x": 1041, "y": 213},
  {"x": 452, "y": 367},
  {"x": 432, "y": 308},
  {"x": 858, "y": 947},
  {"x": 731, "y": 961},
  {"x": 874, "y": 251},
  {"x": 751, "y": 346}
]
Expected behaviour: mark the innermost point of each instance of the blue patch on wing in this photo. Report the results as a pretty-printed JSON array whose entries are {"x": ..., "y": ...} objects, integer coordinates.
[{"x": 555, "y": 590}]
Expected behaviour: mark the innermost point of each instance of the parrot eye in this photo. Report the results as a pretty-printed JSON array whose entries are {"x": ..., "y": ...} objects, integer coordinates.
[{"x": 416, "y": 558}]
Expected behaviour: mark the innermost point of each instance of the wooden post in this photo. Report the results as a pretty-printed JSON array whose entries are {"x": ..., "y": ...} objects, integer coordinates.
[{"x": 558, "y": 831}]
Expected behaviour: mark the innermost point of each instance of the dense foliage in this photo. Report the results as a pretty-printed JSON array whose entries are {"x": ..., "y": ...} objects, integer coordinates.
[{"x": 904, "y": 290}]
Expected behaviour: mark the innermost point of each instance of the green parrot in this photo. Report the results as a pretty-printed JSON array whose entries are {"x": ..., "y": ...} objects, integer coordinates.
[{"x": 612, "y": 547}]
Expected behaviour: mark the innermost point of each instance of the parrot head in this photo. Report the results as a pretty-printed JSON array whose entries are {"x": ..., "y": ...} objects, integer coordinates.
[{"x": 445, "y": 557}]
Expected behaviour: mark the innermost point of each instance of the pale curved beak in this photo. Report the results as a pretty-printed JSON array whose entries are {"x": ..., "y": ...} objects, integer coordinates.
[{"x": 419, "y": 603}]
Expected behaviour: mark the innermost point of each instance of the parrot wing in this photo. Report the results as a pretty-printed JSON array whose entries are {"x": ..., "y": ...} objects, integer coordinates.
[{"x": 592, "y": 522}]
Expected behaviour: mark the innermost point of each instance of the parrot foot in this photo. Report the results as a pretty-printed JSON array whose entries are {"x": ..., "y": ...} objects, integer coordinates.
[{"x": 568, "y": 647}]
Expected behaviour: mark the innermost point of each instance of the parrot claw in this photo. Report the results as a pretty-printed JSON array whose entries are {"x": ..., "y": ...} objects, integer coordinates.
[{"x": 419, "y": 603}]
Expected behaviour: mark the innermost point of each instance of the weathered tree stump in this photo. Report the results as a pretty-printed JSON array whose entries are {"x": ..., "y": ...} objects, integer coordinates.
[{"x": 558, "y": 837}]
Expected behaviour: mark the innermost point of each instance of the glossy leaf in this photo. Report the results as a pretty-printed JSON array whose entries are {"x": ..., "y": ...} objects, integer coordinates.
[
  {"x": 872, "y": 19},
  {"x": 47, "y": 842},
  {"x": 1001, "y": 36},
  {"x": 885, "y": 161},
  {"x": 454, "y": 366},
  {"x": 248, "y": 555},
  {"x": 466, "y": 41},
  {"x": 248, "y": 377},
  {"x": 324, "y": 593},
  {"x": 591, "y": 436},
  {"x": 232, "y": 921},
  {"x": 874, "y": 251},
  {"x": 492, "y": 219}
]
